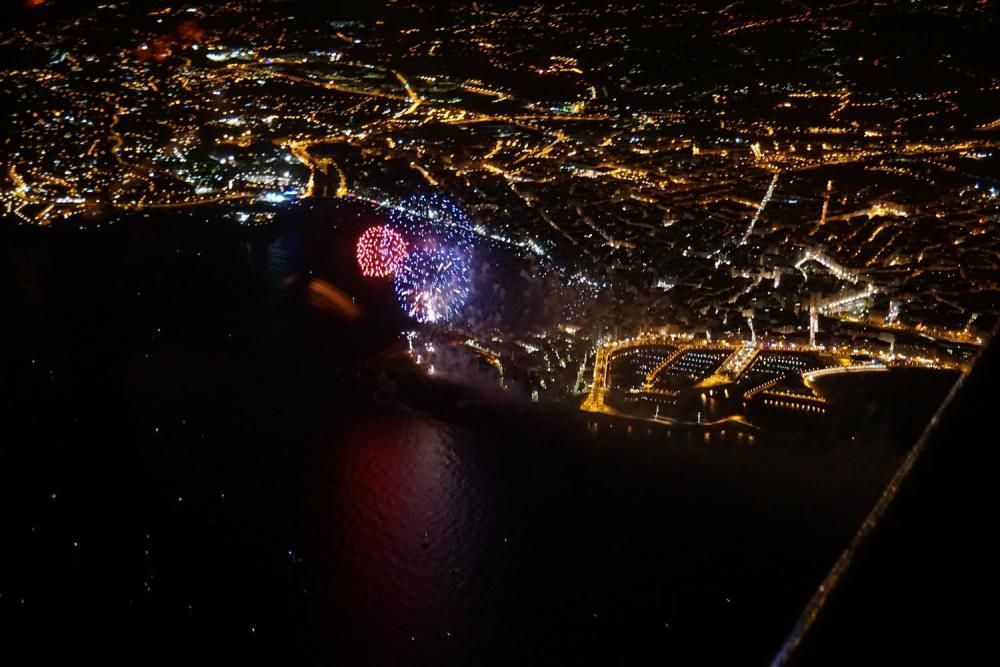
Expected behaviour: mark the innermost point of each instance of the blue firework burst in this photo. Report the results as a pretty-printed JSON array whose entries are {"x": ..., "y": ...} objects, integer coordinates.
[{"x": 433, "y": 283}]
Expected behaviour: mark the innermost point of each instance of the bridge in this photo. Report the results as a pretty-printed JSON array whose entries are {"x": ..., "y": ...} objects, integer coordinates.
[{"x": 809, "y": 376}]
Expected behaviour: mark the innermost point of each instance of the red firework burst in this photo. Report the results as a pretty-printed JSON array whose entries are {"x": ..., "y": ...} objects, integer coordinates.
[{"x": 381, "y": 251}]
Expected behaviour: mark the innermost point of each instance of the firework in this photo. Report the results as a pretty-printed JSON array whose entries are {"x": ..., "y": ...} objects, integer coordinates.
[
  {"x": 432, "y": 219},
  {"x": 433, "y": 283},
  {"x": 380, "y": 251}
]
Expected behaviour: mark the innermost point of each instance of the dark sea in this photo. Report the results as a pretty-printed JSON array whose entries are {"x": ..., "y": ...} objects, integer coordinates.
[{"x": 200, "y": 466}]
